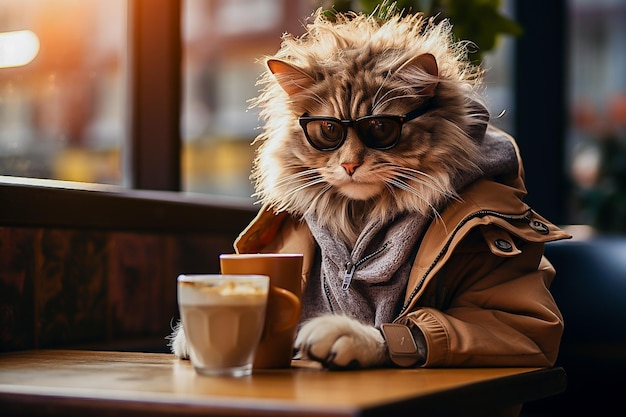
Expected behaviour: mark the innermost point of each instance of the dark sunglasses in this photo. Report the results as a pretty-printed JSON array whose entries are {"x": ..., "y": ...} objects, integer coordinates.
[{"x": 379, "y": 131}]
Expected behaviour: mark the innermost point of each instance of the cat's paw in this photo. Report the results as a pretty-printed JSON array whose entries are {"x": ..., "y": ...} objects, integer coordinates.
[
  {"x": 341, "y": 342},
  {"x": 178, "y": 342}
]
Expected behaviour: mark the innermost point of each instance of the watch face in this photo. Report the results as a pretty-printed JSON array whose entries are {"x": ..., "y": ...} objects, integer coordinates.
[
  {"x": 402, "y": 349},
  {"x": 399, "y": 339}
]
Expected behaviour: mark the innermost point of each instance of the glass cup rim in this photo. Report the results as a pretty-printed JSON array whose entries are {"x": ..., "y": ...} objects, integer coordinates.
[
  {"x": 261, "y": 255},
  {"x": 212, "y": 278}
]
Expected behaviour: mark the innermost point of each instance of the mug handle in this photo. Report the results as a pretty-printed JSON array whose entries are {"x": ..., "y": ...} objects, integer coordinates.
[{"x": 277, "y": 322}]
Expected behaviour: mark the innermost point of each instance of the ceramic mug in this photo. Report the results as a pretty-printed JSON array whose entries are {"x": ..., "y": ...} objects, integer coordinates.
[{"x": 283, "y": 305}]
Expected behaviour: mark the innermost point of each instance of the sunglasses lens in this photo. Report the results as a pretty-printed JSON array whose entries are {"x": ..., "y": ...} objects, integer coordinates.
[
  {"x": 379, "y": 132},
  {"x": 325, "y": 134}
]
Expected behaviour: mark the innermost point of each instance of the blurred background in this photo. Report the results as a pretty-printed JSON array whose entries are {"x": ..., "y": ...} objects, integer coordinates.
[
  {"x": 64, "y": 95},
  {"x": 141, "y": 96}
]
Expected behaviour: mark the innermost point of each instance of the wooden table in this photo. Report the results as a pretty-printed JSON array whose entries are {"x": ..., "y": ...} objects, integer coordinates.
[{"x": 87, "y": 383}]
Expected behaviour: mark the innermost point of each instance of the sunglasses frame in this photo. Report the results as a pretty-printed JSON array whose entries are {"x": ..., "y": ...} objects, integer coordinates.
[{"x": 305, "y": 119}]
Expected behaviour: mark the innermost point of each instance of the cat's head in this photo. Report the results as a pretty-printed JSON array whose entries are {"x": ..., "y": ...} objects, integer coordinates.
[{"x": 365, "y": 120}]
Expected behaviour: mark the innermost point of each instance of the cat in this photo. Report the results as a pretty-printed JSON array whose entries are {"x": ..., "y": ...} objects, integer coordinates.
[
  {"x": 374, "y": 127},
  {"x": 356, "y": 68}
]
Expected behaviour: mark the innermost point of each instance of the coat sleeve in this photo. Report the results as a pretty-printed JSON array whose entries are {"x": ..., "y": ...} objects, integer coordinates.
[{"x": 486, "y": 309}]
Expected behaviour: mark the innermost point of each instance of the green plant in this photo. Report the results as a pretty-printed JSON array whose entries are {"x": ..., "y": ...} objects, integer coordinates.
[{"x": 478, "y": 21}]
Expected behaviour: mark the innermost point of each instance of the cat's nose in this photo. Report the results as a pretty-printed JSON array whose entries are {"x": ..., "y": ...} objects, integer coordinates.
[{"x": 350, "y": 167}]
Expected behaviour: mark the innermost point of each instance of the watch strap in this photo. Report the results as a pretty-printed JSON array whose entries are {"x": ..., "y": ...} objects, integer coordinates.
[{"x": 400, "y": 344}]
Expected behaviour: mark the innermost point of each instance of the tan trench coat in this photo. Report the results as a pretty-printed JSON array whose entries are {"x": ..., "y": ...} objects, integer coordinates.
[{"x": 478, "y": 288}]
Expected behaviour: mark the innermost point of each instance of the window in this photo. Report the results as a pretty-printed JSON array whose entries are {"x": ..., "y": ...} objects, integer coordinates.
[
  {"x": 596, "y": 141},
  {"x": 71, "y": 110},
  {"x": 223, "y": 39},
  {"x": 62, "y": 111}
]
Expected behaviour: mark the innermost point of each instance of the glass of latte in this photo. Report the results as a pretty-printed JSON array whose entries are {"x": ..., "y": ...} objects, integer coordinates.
[{"x": 223, "y": 318}]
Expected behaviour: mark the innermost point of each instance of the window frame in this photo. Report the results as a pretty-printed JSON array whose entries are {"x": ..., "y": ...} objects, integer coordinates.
[
  {"x": 152, "y": 159},
  {"x": 151, "y": 197}
]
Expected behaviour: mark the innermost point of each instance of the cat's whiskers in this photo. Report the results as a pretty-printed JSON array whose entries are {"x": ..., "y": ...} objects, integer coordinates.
[
  {"x": 406, "y": 187},
  {"x": 305, "y": 185},
  {"x": 311, "y": 173},
  {"x": 377, "y": 101},
  {"x": 402, "y": 185},
  {"x": 285, "y": 184},
  {"x": 305, "y": 207},
  {"x": 291, "y": 186},
  {"x": 389, "y": 100},
  {"x": 314, "y": 96},
  {"x": 399, "y": 177},
  {"x": 383, "y": 100},
  {"x": 413, "y": 173},
  {"x": 434, "y": 183},
  {"x": 375, "y": 98},
  {"x": 405, "y": 177},
  {"x": 313, "y": 204}
]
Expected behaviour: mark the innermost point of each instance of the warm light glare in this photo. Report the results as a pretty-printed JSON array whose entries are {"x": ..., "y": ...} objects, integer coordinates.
[{"x": 18, "y": 48}]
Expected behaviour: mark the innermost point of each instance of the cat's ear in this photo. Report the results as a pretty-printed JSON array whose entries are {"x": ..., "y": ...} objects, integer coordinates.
[
  {"x": 291, "y": 78},
  {"x": 428, "y": 64}
]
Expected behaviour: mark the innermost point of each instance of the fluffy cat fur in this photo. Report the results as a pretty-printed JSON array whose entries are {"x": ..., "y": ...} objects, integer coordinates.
[{"x": 353, "y": 66}]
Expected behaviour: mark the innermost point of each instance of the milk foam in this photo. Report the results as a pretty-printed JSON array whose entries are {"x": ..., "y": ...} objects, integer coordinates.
[{"x": 224, "y": 291}]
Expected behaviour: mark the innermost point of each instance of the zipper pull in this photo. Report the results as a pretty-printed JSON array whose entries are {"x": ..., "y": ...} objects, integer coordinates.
[{"x": 347, "y": 276}]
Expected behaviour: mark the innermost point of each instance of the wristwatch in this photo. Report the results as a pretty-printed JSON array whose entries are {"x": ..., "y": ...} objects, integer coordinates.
[{"x": 401, "y": 345}]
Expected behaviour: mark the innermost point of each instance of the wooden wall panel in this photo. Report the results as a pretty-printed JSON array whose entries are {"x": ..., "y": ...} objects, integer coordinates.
[
  {"x": 76, "y": 287},
  {"x": 17, "y": 311}
]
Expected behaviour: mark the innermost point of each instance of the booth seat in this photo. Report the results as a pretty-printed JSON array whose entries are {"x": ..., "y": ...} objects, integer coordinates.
[{"x": 590, "y": 289}]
